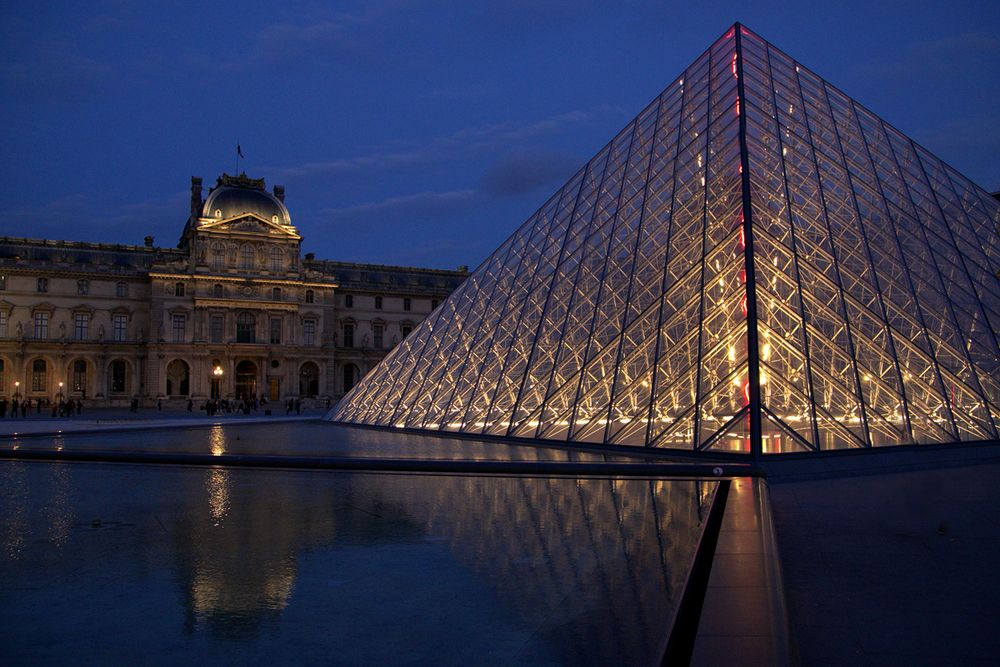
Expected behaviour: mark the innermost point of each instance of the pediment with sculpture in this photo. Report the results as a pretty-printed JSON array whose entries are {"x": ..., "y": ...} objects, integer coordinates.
[{"x": 249, "y": 223}]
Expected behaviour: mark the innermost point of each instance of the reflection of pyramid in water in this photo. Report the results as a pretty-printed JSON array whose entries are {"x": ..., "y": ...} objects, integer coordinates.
[{"x": 755, "y": 263}]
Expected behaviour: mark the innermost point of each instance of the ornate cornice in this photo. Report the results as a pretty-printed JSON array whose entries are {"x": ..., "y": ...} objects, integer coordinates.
[
  {"x": 241, "y": 280},
  {"x": 246, "y": 304}
]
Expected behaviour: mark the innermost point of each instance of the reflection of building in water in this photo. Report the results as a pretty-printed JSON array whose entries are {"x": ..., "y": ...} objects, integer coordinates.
[{"x": 607, "y": 556}]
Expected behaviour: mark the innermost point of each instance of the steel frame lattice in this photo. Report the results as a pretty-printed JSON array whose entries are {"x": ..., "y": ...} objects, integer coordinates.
[{"x": 756, "y": 264}]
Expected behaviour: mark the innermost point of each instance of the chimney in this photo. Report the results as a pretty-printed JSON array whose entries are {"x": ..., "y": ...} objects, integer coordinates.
[
  {"x": 196, "y": 197},
  {"x": 279, "y": 193}
]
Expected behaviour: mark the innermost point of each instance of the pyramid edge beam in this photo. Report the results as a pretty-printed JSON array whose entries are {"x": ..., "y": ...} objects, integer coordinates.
[{"x": 753, "y": 358}]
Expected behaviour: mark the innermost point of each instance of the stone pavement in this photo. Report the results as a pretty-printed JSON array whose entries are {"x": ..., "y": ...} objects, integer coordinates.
[
  {"x": 893, "y": 568},
  {"x": 121, "y": 419}
]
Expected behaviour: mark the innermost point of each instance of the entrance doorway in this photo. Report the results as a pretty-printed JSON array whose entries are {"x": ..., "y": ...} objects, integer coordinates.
[
  {"x": 246, "y": 380},
  {"x": 273, "y": 388}
]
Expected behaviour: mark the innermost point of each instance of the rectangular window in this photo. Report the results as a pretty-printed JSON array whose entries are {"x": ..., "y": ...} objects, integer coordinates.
[
  {"x": 179, "y": 325},
  {"x": 121, "y": 289},
  {"x": 79, "y": 375},
  {"x": 81, "y": 326},
  {"x": 309, "y": 332},
  {"x": 120, "y": 330},
  {"x": 41, "y": 325},
  {"x": 348, "y": 301},
  {"x": 82, "y": 287},
  {"x": 378, "y": 333},
  {"x": 405, "y": 329},
  {"x": 43, "y": 284},
  {"x": 3, "y": 323},
  {"x": 378, "y": 303},
  {"x": 310, "y": 296},
  {"x": 348, "y": 335},
  {"x": 275, "y": 331},
  {"x": 216, "y": 327},
  {"x": 39, "y": 370},
  {"x": 179, "y": 289},
  {"x": 406, "y": 304},
  {"x": 3, "y": 282},
  {"x": 434, "y": 304},
  {"x": 246, "y": 325}
]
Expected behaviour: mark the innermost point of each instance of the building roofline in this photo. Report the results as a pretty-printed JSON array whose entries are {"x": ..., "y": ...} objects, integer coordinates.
[
  {"x": 332, "y": 263},
  {"x": 50, "y": 243}
]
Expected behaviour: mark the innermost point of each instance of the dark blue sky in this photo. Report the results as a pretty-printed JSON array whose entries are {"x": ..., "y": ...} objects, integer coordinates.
[{"x": 423, "y": 132}]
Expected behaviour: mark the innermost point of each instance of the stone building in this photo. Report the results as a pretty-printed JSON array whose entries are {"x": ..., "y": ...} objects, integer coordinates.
[{"x": 233, "y": 311}]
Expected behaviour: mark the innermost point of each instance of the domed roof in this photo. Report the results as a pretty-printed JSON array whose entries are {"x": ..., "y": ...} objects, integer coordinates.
[{"x": 239, "y": 195}]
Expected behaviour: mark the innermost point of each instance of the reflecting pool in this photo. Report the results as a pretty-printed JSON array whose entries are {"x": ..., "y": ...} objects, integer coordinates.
[
  {"x": 122, "y": 563},
  {"x": 309, "y": 439}
]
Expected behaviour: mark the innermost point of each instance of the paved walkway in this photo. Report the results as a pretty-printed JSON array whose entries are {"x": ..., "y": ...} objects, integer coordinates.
[
  {"x": 893, "y": 569},
  {"x": 121, "y": 419}
]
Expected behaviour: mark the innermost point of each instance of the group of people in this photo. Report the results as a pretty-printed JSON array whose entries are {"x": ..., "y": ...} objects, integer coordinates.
[{"x": 16, "y": 408}]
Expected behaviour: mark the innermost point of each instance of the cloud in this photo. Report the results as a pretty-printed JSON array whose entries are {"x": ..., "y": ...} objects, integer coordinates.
[
  {"x": 436, "y": 203},
  {"x": 67, "y": 217},
  {"x": 524, "y": 172},
  {"x": 466, "y": 142},
  {"x": 938, "y": 58},
  {"x": 53, "y": 72}
]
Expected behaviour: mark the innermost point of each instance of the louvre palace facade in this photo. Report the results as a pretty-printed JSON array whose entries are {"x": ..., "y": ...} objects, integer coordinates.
[{"x": 232, "y": 312}]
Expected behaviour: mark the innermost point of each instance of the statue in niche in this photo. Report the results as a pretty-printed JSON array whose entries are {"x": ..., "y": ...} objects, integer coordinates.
[
  {"x": 20, "y": 330},
  {"x": 62, "y": 331}
]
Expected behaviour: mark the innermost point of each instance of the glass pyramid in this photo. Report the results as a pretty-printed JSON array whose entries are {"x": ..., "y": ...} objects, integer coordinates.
[{"x": 756, "y": 263}]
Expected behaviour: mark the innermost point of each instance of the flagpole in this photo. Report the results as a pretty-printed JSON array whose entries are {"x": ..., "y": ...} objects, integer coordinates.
[{"x": 237, "y": 158}]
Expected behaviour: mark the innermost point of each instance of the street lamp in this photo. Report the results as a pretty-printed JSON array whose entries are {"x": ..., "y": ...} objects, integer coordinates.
[
  {"x": 17, "y": 386},
  {"x": 217, "y": 381},
  {"x": 60, "y": 392}
]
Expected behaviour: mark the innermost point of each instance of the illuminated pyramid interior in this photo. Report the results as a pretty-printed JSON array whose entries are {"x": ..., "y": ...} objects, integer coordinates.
[{"x": 756, "y": 263}]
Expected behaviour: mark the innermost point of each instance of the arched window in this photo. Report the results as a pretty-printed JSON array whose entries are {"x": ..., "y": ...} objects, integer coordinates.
[
  {"x": 245, "y": 328},
  {"x": 218, "y": 256},
  {"x": 246, "y": 257},
  {"x": 277, "y": 260},
  {"x": 39, "y": 375},
  {"x": 310, "y": 296},
  {"x": 217, "y": 291},
  {"x": 179, "y": 289},
  {"x": 79, "y": 376},
  {"x": 276, "y": 294},
  {"x": 308, "y": 380}
]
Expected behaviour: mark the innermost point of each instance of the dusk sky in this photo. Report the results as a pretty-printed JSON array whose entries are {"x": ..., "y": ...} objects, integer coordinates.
[{"x": 417, "y": 133}]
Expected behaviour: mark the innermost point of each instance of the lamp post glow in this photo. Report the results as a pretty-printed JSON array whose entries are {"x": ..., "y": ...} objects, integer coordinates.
[
  {"x": 217, "y": 374},
  {"x": 60, "y": 397},
  {"x": 17, "y": 386}
]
